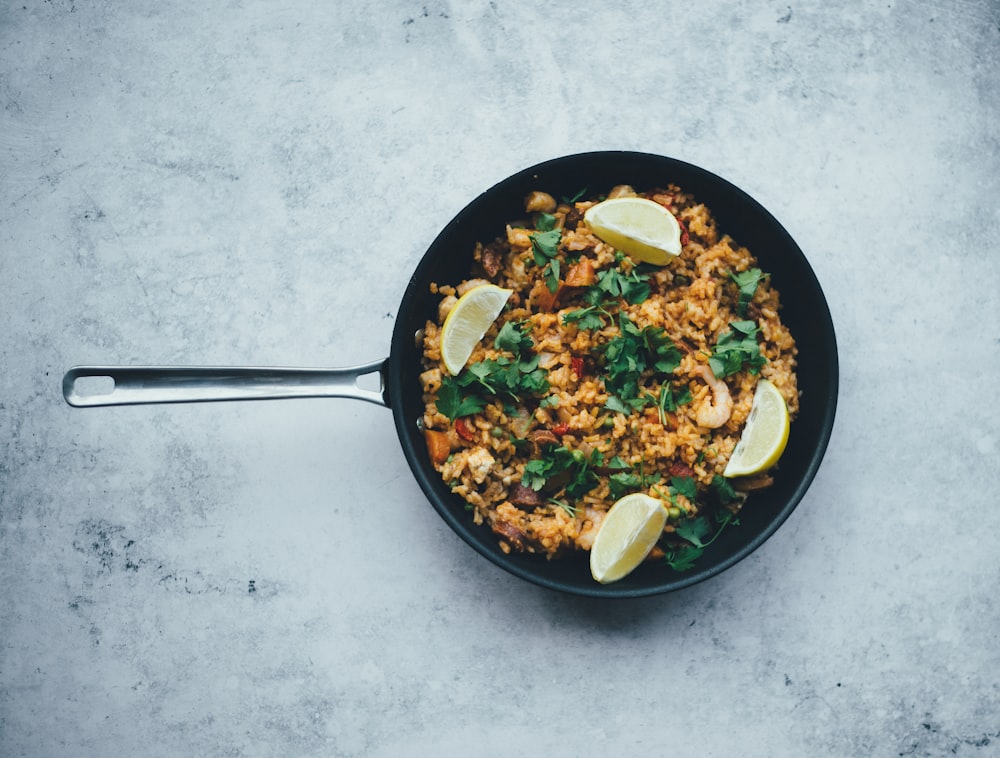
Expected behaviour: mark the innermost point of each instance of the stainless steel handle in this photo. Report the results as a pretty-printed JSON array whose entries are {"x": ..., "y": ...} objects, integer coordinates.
[{"x": 137, "y": 385}]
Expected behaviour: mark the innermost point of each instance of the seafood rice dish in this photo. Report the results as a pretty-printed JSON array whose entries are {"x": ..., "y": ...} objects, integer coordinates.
[{"x": 604, "y": 376}]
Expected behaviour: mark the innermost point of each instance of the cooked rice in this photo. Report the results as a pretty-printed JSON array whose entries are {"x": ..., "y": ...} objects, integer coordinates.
[{"x": 693, "y": 298}]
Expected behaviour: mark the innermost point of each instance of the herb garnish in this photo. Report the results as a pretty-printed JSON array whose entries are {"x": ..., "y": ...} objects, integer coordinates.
[
  {"x": 500, "y": 378},
  {"x": 667, "y": 400},
  {"x": 747, "y": 281},
  {"x": 452, "y": 403},
  {"x": 514, "y": 338},
  {"x": 612, "y": 285},
  {"x": 545, "y": 248},
  {"x": 545, "y": 222},
  {"x": 737, "y": 349},
  {"x": 632, "y": 287},
  {"x": 629, "y": 354},
  {"x": 696, "y": 531},
  {"x": 558, "y": 463},
  {"x": 591, "y": 317},
  {"x": 623, "y": 482}
]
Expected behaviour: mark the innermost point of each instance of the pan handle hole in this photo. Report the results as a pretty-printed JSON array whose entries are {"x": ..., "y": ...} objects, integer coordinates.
[
  {"x": 372, "y": 381},
  {"x": 91, "y": 386}
]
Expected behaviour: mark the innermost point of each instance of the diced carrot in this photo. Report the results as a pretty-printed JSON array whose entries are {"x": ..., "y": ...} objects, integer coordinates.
[
  {"x": 546, "y": 301},
  {"x": 581, "y": 274},
  {"x": 438, "y": 446}
]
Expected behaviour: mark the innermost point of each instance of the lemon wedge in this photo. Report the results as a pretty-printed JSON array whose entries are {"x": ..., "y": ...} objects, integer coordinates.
[
  {"x": 629, "y": 531},
  {"x": 638, "y": 227},
  {"x": 467, "y": 322},
  {"x": 764, "y": 436}
]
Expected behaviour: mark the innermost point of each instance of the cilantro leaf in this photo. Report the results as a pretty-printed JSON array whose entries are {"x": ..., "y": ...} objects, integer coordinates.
[
  {"x": 451, "y": 402},
  {"x": 628, "y": 406},
  {"x": 666, "y": 355},
  {"x": 623, "y": 483},
  {"x": 722, "y": 490},
  {"x": 585, "y": 318},
  {"x": 683, "y": 558},
  {"x": 694, "y": 530},
  {"x": 545, "y": 222},
  {"x": 570, "y": 468},
  {"x": 500, "y": 378},
  {"x": 670, "y": 399},
  {"x": 618, "y": 463},
  {"x": 630, "y": 353},
  {"x": 514, "y": 338},
  {"x": 544, "y": 249},
  {"x": 684, "y": 485},
  {"x": 737, "y": 349},
  {"x": 551, "y": 272},
  {"x": 632, "y": 287},
  {"x": 545, "y": 245},
  {"x": 569, "y": 200},
  {"x": 747, "y": 282}
]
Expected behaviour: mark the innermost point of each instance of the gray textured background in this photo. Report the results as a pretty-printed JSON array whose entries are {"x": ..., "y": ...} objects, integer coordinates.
[{"x": 251, "y": 182}]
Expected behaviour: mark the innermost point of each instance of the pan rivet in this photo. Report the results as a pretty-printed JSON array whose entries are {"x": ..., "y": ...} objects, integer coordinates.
[
  {"x": 420, "y": 423},
  {"x": 418, "y": 337}
]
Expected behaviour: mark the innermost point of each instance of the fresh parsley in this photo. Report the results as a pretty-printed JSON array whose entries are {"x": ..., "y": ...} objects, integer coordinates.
[
  {"x": 698, "y": 532},
  {"x": 632, "y": 287},
  {"x": 623, "y": 482},
  {"x": 682, "y": 558},
  {"x": 506, "y": 379},
  {"x": 723, "y": 491},
  {"x": 611, "y": 287},
  {"x": 545, "y": 249},
  {"x": 514, "y": 338},
  {"x": 747, "y": 282},
  {"x": 560, "y": 465},
  {"x": 684, "y": 485},
  {"x": 670, "y": 399},
  {"x": 545, "y": 222},
  {"x": 591, "y": 317},
  {"x": 737, "y": 349},
  {"x": 630, "y": 353},
  {"x": 453, "y": 403}
]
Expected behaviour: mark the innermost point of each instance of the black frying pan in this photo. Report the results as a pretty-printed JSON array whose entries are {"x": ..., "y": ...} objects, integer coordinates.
[{"x": 448, "y": 260}]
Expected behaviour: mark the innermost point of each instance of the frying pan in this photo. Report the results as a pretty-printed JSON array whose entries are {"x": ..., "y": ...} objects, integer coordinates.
[{"x": 448, "y": 260}]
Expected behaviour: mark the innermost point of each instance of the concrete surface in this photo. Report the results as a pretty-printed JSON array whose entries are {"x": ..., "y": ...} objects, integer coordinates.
[{"x": 251, "y": 182}]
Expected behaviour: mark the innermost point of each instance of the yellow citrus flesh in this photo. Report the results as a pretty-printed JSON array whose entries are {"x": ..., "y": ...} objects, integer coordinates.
[
  {"x": 764, "y": 436},
  {"x": 468, "y": 321},
  {"x": 640, "y": 228},
  {"x": 629, "y": 531}
]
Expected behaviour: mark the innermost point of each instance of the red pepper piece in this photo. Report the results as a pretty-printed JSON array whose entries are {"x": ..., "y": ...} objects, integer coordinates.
[
  {"x": 465, "y": 430},
  {"x": 685, "y": 237},
  {"x": 560, "y": 429},
  {"x": 576, "y": 362}
]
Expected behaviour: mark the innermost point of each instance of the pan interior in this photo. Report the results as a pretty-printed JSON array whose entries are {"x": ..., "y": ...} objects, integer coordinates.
[{"x": 804, "y": 311}]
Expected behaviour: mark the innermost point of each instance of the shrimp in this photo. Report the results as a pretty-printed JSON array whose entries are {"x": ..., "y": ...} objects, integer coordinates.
[
  {"x": 592, "y": 522},
  {"x": 716, "y": 411}
]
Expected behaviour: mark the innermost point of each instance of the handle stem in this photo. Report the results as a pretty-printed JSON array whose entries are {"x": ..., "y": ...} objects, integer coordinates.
[{"x": 138, "y": 385}]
